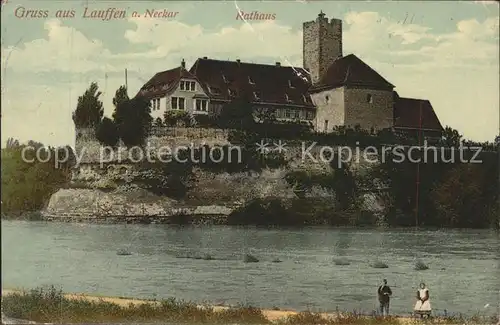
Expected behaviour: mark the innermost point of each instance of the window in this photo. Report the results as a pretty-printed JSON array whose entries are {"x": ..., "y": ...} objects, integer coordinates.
[
  {"x": 327, "y": 99},
  {"x": 288, "y": 113},
  {"x": 326, "y": 126},
  {"x": 155, "y": 104},
  {"x": 296, "y": 114},
  {"x": 369, "y": 98},
  {"x": 256, "y": 95},
  {"x": 250, "y": 80},
  {"x": 215, "y": 90},
  {"x": 290, "y": 84},
  {"x": 188, "y": 85},
  {"x": 201, "y": 105},
  {"x": 310, "y": 115},
  {"x": 178, "y": 103}
]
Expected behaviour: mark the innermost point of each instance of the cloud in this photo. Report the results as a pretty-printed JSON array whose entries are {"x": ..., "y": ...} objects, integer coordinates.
[
  {"x": 457, "y": 71},
  {"x": 64, "y": 49}
]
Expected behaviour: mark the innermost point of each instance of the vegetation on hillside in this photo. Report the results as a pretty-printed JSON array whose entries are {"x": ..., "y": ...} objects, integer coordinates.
[{"x": 28, "y": 183}]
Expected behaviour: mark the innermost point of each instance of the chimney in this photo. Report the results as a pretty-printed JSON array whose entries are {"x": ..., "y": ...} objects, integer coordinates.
[
  {"x": 183, "y": 64},
  {"x": 278, "y": 64},
  {"x": 205, "y": 57}
]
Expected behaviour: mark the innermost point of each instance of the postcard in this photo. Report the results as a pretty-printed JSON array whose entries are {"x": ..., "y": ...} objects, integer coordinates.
[{"x": 249, "y": 162}]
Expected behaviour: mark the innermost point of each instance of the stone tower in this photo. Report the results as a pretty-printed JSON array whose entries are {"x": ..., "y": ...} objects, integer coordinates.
[{"x": 322, "y": 44}]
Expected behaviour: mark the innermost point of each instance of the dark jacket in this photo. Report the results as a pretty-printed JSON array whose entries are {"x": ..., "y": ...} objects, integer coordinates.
[{"x": 384, "y": 293}]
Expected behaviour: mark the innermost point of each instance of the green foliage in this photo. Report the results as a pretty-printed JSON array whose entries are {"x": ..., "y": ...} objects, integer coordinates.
[
  {"x": 170, "y": 178},
  {"x": 237, "y": 114},
  {"x": 51, "y": 305},
  {"x": 451, "y": 138},
  {"x": 89, "y": 110},
  {"x": 158, "y": 122},
  {"x": 28, "y": 184},
  {"x": 205, "y": 120},
  {"x": 177, "y": 118},
  {"x": 449, "y": 194},
  {"x": 121, "y": 97},
  {"x": 107, "y": 132},
  {"x": 133, "y": 120}
]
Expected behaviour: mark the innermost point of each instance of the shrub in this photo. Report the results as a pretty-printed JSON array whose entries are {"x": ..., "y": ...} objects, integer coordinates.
[
  {"x": 107, "y": 132},
  {"x": 177, "y": 118}
]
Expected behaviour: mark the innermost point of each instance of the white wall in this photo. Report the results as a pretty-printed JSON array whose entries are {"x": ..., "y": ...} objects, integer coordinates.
[{"x": 331, "y": 110}]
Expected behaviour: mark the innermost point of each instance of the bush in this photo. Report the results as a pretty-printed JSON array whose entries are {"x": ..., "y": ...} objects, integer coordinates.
[
  {"x": 107, "y": 132},
  {"x": 177, "y": 118}
]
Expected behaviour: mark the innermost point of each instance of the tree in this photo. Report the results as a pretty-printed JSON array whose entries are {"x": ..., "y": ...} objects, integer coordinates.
[
  {"x": 107, "y": 132},
  {"x": 121, "y": 96},
  {"x": 12, "y": 143},
  {"x": 27, "y": 184},
  {"x": 89, "y": 110},
  {"x": 237, "y": 114},
  {"x": 133, "y": 120},
  {"x": 451, "y": 138}
]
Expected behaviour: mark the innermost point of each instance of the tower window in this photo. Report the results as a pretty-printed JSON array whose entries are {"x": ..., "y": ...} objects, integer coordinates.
[
  {"x": 369, "y": 98},
  {"x": 327, "y": 99}
]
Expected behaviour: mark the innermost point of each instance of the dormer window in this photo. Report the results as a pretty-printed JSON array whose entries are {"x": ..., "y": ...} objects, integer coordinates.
[
  {"x": 188, "y": 85},
  {"x": 256, "y": 95},
  {"x": 304, "y": 98},
  {"x": 250, "y": 80},
  {"x": 231, "y": 92},
  {"x": 290, "y": 84},
  {"x": 287, "y": 98},
  {"x": 369, "y": 98},
  {"x": 215, "y": 90},
  {"x": 224, "y": 78},
  {"x": 165, "y": 87}
]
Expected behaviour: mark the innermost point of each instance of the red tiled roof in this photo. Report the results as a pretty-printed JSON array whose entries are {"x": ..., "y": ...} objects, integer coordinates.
[
  {"x": 164, "y": 81},
  {"x": 271, "y": 83},
  {"x": 415, "y": 114},
  {"x": 351, "y": 71}
]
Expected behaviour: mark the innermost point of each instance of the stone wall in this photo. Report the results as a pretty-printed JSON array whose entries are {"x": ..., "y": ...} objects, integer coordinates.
[
  {"x": 88, "y": 149},
  {"x": 322, "y": 44},
  {"x": 368, "y": 108}
]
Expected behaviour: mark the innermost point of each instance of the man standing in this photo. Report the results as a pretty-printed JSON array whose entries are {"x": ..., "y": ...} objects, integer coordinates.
[{"x": 384, "y": 296}]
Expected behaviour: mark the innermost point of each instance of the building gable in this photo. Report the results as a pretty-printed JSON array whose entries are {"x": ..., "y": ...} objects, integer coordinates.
[
  {"x": 351, "y": 71},
  {"x": 411, "y": 113}
]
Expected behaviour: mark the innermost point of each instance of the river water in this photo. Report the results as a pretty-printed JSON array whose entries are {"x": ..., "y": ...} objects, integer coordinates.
[{"x": 463, "y": 274}]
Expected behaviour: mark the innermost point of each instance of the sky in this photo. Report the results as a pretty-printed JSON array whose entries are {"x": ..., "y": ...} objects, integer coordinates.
[{"x": 446, "y": 52}]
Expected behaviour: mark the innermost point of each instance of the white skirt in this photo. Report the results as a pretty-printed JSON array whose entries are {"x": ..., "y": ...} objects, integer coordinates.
[{"x": 422, "y": 307}]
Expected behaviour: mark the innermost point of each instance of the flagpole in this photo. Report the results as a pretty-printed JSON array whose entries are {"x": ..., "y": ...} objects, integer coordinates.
[{"x": 418, "y": 168}]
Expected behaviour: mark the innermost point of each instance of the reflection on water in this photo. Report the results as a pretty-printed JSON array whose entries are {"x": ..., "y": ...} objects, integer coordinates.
[{"x": 463, "y": 275}]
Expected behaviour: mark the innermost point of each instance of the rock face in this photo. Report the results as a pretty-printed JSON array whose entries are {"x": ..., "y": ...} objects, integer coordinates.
[{"x": 94, "y": 202}]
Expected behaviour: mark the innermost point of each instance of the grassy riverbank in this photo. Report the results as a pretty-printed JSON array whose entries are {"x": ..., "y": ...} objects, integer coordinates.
[{"x": 51, "y": 305}]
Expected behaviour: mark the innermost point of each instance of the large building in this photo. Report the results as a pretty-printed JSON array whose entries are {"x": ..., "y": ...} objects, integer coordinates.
[{"x": 330, "y": 89}]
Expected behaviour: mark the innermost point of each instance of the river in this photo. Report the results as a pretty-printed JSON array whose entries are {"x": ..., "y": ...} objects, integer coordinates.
[{"x": 463, "y": 274}]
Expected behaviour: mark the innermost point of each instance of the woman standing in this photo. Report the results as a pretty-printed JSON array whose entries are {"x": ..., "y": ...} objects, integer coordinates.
[{"x": 423, "y": 305}]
